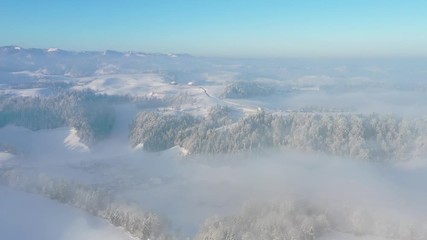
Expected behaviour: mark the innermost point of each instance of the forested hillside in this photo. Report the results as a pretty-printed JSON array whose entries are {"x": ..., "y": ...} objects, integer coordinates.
[
  {"x": 370, "y": 137},
  {"x": 91, "y": 114}
]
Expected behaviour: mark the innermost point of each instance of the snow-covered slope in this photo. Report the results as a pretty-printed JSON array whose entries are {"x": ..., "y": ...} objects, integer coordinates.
[
  {"x": 72, "y": 141},
  {"x": 135, "y": 85},
  {"x": 47, "y": 143},
  {"x": 27, "y": 216}
]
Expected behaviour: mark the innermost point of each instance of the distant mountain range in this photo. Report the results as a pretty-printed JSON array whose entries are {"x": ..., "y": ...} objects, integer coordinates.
[
  {"x": 54, "y": 61},
  {"x": 14, "y": 50}
]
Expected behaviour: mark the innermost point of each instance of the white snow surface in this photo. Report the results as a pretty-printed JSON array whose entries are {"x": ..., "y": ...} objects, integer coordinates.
[
  {"x": 123, "y": 84},
  {"x": 27, "y": 216},
  {"x": 52, "y": 49},
  {"x": 72, "y": 141}
]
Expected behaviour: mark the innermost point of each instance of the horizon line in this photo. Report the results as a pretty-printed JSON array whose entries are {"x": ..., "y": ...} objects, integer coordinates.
[{"x": 248, "y": 57}]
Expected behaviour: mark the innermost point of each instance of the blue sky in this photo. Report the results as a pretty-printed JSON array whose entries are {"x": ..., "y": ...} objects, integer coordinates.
[{"x": 234, "y": 28}]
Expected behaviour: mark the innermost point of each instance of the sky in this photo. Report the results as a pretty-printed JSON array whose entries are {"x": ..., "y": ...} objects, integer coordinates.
[{"x": 227, "y": 28}]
